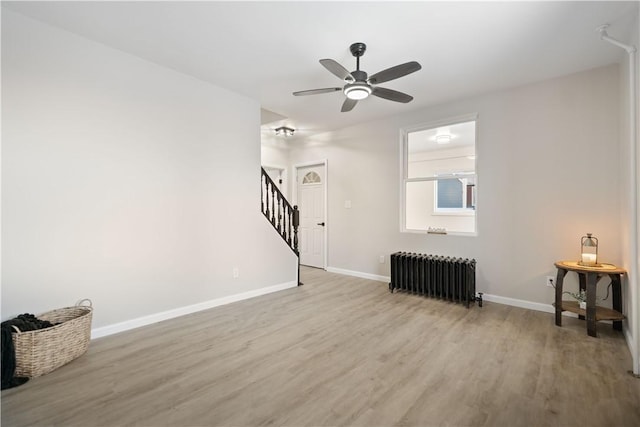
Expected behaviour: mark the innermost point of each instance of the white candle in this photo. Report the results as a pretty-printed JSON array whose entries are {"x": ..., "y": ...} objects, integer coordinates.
[{"x": 589, "y": 259}]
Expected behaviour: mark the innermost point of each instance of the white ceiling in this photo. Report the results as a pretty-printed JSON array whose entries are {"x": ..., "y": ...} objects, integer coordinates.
[{"x": 266, "y": 50}]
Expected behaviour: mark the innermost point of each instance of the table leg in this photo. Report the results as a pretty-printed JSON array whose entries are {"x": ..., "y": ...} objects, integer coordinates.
[
  {"x": 582, "y": 283},
  {"x": 617, "y": 298},
  {"x": 592, "y": 279},
  {"x": 559, "y": 279}
]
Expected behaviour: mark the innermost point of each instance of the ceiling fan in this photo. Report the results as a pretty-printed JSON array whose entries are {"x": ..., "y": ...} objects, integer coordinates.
[{"x": 358, "y": 85}]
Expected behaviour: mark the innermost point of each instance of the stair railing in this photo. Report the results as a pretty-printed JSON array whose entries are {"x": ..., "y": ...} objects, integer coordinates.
[{"x": 284, "y": 218}]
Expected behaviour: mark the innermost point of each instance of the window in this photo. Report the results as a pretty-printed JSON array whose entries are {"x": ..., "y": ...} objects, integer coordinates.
[
  {"x": 439, "y": 177},
  {"x": 311, "y": 178}
]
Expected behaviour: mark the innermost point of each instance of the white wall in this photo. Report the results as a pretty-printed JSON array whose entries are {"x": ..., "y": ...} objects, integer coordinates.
[
  {"x": 125, "y": 182},
  {"x": 636, "y": 280},
  {"x": 273, "y": 155},
  {"x": 631, "y": 286},
  {"x": 277, "y": 156},
  {"x": 547, "y": 162}
]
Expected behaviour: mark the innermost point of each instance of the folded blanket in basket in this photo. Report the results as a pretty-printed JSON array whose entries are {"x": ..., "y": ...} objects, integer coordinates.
[{"x": 24, "y": 322}]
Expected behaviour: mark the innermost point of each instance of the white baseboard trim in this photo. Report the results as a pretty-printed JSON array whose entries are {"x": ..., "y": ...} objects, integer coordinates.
[
  {"x": 547, "y": 308},
  {"x": 181, "y": 311},
  {"x": 629, "y": 338},
  {"x": 359, "y": 274}
]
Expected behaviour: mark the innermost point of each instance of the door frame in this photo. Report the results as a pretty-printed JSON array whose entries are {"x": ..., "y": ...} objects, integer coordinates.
[{"x": 325, "y": 187}]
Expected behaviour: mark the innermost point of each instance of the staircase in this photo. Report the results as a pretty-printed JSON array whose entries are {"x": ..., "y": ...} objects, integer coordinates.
[{"x": 284, "y": 218}]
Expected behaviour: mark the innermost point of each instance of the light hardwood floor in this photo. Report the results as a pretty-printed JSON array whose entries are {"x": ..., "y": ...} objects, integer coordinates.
[{"x": 341, "y": 351}]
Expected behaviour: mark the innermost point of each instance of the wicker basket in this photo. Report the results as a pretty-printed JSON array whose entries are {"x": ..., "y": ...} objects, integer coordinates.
[{"x": 41, "y": 351}]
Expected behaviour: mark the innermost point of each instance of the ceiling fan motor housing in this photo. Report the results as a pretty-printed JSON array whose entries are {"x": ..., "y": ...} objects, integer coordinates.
[
  {"x": 357, "y": 49},
  {"x": 359, "y": 76}
]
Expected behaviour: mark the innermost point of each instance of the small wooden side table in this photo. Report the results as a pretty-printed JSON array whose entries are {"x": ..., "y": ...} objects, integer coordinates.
[{"x": 588, "y": 280}]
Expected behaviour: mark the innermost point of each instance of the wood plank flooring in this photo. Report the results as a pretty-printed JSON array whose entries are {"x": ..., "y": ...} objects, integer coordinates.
[{"x": 341, "y": 351}]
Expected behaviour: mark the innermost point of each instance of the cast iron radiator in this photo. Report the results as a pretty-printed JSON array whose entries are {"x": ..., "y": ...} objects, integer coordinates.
[{"x": 452, "y": 279}]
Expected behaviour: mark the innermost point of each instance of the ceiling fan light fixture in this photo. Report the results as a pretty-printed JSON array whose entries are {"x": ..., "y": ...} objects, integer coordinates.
[{"x": 357, "y": 91}]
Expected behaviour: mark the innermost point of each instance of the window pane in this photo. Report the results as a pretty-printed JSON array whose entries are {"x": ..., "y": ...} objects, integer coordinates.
[
  {"x": 311, "y": 178},
  {"x": 419, "y": 205},
  {"x": 440, "y": 178},
  {"x": 420, "y": 212},
  {"x": 428, "y": 156},
  {"x": 450, "y": 193}
]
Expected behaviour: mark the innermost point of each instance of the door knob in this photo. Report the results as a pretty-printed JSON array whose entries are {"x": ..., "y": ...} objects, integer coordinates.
[{"x": 321, "y": 223}]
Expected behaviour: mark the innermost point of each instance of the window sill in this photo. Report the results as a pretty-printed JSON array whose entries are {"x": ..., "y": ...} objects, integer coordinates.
[
  {"x": 449, "y": 233},
  {"x": 453, "y": 213}
]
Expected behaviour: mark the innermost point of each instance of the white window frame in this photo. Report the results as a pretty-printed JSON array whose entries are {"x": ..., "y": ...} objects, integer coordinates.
[{"x": 404, "y": 158}]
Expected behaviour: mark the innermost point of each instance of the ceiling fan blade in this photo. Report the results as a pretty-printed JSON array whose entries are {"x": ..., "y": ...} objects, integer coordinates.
[
  {"x": 337, "y": 69},
  {"x": 348, "y": 105},
  {"x": 391, "y": 95},
  {"x": 317, "y": 91},
  {"x": 395, "y": 72}
]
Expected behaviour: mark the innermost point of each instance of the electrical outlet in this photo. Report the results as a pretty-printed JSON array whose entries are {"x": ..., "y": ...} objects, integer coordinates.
[
  {"x": 551, "y": 281},
  {"x": 381, "y": 259},
  {"x": 236, "y": 272}
]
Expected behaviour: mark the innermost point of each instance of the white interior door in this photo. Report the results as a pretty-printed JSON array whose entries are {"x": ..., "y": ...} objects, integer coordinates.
[{"x": 311, "y": 184}]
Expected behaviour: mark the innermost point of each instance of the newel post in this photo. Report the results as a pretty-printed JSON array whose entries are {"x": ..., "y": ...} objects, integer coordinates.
[{"x": 296, "y": 223}]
